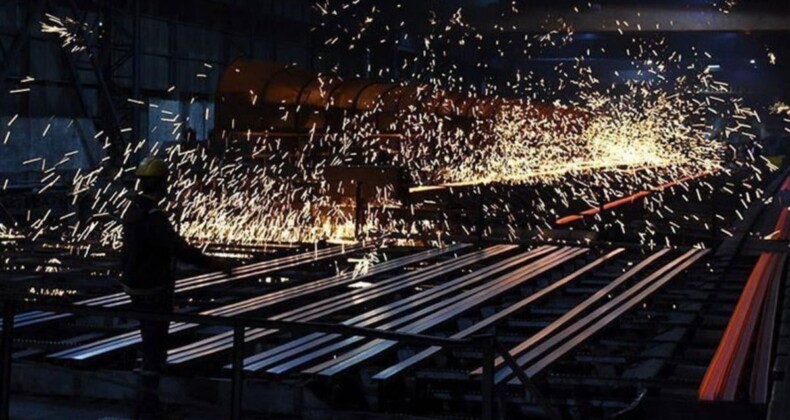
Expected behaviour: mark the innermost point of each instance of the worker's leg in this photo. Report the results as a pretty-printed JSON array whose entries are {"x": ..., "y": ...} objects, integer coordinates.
[
  {"x": 154, "y": 349},
  {"x": 154, "y": 334}
]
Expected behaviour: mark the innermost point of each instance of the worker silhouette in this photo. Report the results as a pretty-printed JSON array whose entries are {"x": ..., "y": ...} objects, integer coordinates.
[{"x": 150, "y": 248}]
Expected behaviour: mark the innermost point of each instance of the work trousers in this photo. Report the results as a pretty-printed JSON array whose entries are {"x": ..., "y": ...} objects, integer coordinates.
[{"x": 154, "y": 347}]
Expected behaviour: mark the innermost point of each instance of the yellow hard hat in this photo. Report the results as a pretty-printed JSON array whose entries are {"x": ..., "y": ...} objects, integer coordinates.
[{"x": 153, "y": 168}]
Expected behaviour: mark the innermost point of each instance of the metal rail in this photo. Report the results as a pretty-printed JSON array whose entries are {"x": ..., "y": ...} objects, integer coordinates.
[
  {"x": 387, "y": 312},
  {"x": 492, "y": 320},
  {"x": 588, "y": 303},
  {"x": 293, "y": 348},
  {"x": 488, "y": 345},
  {"x": 191, "y": 283},
  {"x": 334, "y": 304},
  {"x": 431, "y": 317},
  {"x": 606, "y": 314},
  {"x": 133, "y": 337}
]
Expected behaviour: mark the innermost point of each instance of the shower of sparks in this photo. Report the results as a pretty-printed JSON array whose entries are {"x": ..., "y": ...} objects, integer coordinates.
[
  {"x": 67, "y": 29},
  {"x": 8, "y": 233},
  {"x": 612, "y": 135},
  {"x": 725, "y": 6},
  {"x": 43, "y": 291},
  {"x": 52, "y": 266},
  {"x": 771, "y": 58},
  {"x": 780, "y": 108},
  {"x": 362, "y": 265},
  {"x": 584, "y": 140}
]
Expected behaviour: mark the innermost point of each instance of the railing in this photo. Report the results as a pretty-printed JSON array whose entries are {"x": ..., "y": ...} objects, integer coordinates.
[{"x": 488, "y": 345}]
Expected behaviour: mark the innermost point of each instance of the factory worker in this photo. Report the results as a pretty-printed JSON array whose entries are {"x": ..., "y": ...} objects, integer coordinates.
[{"x": 150, "y": 248}]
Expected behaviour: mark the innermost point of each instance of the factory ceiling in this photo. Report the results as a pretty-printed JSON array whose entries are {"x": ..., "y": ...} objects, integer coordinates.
[{"x": 631, "y": 16}]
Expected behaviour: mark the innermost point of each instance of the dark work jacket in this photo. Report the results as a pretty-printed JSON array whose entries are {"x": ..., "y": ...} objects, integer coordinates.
[{"x": 150, "y": 248}]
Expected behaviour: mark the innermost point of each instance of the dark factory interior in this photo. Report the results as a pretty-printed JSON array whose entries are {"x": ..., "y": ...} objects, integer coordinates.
[{"x": 394, "y": 209}]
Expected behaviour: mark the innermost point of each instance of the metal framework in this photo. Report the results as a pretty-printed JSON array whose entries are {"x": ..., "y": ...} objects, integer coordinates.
[
  {"x": 487, "y": 345},
  {"x": 127, "y": 339}
]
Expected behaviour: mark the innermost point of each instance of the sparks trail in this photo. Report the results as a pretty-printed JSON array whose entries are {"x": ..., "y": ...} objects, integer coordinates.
[{"x": 583, "y": 139}]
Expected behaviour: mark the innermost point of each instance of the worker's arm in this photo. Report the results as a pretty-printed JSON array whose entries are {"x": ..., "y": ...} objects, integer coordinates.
[{"x": 181, "y": 249}]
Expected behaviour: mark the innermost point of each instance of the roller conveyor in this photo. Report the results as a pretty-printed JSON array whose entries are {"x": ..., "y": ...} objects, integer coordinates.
[
  {"x": 131, "y": 338},
  {"x": 488, "y": 322},
  {"x": 440, "y": 312},
  {"x": 604, "y": 315},
  {"x": 328, "y": 306},
  {"x": 387, "y": 311}
]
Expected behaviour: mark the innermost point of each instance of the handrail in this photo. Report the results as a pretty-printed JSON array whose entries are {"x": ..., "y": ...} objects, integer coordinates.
[
  {"x": 243, "y": 321},
  {"x": 106, "y": 345},
  {"x": 489, "y": 345}
]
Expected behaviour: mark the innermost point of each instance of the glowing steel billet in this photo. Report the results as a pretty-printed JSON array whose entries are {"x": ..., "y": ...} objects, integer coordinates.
[
  {"x": 724, "y": 373},
  {"x": 627, "y": 200}
]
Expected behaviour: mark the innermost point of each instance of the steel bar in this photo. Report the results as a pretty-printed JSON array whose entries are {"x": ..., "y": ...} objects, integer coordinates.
[
  {"x": 723, "y": 375},
  {"x": 191, "y": 283},
  {"x": 247, "y": 322},
  {"x": 737, "y": 365},
  {"x": 133, "y": 337},
  {"x": 388, "y": 311},
  {"x": 614, "y": 309},
  {"x": 561, "y": 335},
  {"x": 470, "y": 299},
  {"x": 413, "y": 360},
  {"x": 594, "y": 299},
  {"x": 334, "y": 304}
]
